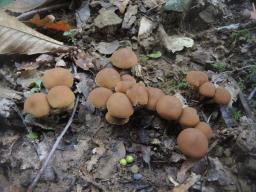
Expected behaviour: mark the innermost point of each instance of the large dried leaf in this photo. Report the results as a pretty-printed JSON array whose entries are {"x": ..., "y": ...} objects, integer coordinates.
[{"x": 16, "y": 37}]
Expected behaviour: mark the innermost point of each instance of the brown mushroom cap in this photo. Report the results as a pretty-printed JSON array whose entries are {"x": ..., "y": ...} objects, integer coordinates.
[
  {"x": 128, "y": 77},
  {"x": 116, "y": 121},
  {"x": 207, "y": 89},
  {"x": 222, "y": 96},
  {"x": 99, "y": 97},
  {"x": 124, "y": 58},
  {"x": 169, "y": 107},
  {"x": 61, "y": 97},
  {"x": 119, "y": 106},
  {"x": 138, "y": 95},
  {"x": 37, "y": 105},
  {"x": 57, "y": 76},
  {"x": 192, "y": 143},
  {"x": 107, "y": 78},
  {"x": 189, "y": 117},
  {"x": 153, "y": 95},
  {"x": 205, "y": 129},
  {"x": 196, "y": 78},
  {"x": 123, "y": 86}
]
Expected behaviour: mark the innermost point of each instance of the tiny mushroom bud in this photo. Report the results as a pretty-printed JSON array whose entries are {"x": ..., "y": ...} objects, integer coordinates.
[
  {"x": 115, "y": 121},
  {"x": 119, "y": 106},
  {"x": 207, "y": 89},
  {"x": 107, "y": 78},
  {"x": 57, "y": 76},
  {"x": 192, "y": 143},
  {"x": 222, "y": 96},
  {"x": 169, "y": 107},
  {"x": 189, "y": 117},
  {"x": 124, "y": 58},
  {"x": 138, "y": 95},
  {"x": 205, "y": 129},
  {"x": 196, "y": 78},
  {"x": 37, "y": 105},
  {"x": 99, "y": 97},
  {"x": 153, "y": 96},
  {"x": 123, "y": 86},
  {"x": 128, "y": 77}
]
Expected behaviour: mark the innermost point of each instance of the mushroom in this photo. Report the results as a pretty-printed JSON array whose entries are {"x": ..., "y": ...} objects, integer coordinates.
[
  {"x": 196, "y": 78},
  {"x": 169, "y": 107},
  {"x": 107, "y": 78},
  {"x": 116, "y": 121},
  {"x": 192, "y": 143},
  {"x": 61, "y": 97},
  {"x": 138, "y": 95},
  {"x": 189, "y": 117},
  {"x": 123, "y": 86},
  {"x": 153, "y": 95},
  {"x": 205, "y": 129},
  {"x": 128, "y": 77},
  {"x": 119, "y": 106},
  {"x": 221, "y": 96},
  {"x": 99, "y": 97},
  {"x": 57, "y": 76},
  {"x": 207, "y": 89},
  {"x": 37, "y": 105},
  {"x": 124, "y": 58}
]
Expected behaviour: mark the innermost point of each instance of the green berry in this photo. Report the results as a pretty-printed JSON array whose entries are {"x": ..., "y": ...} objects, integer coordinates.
[
  {"x": 129, "y": 159},
  {"x": 123, "y": 162}
]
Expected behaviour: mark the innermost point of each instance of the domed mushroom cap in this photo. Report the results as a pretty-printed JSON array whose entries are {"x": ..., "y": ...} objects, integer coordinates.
[
  {"x": 123, "y": 86},
  {"x": 99, "y": 97},
  {"x": 57, "y": 76},
  {"x": 37, "y": 105},
  {"x": 128, "y": 77},
  {"x": 107, "y": 78},
  {"x": 222, "y": 96},
  {"x": 138, "y": 95},
  {"x": 205, "y": 129},
  {"x": 192, "y": 143},
  {"x": 124, "y": 58},
  {"x": 153, "y": 96},
  {"x": 169, "y": 107},
  {"x": 116, "y": 121},
  {"x": 189, "y": 117},
  {"x": 119, "y": 106},
  {"x": 207, "y": 89},
  {"x": 61, "y": 97},
  {"x": 196, "y": 78}
]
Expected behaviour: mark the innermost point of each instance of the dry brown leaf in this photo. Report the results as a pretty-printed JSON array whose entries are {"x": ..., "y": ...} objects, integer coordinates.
[
  {"x": 84, "y": 60},
  {"x": 16, "y": 37}
]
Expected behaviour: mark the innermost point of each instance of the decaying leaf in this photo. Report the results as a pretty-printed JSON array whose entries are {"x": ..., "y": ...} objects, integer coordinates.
[
  {"x": 16, "y": 37},
  {"x": 189, "y": 183},
  {"x": 84, "y": 60},
  {"x": 107, "y": 48}
]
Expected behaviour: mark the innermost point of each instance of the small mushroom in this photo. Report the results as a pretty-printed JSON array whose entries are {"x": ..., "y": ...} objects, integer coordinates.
[
  {"x": 205, "y": 129},
  {"x": 221, "y": 96},
  {"x": 192, "y": 143},
  {"x": 124, "y": 58},
  {"x": 128, "y": 77},
  {"x": 119, "y": 106},
  {"x": 123, "y": 86},
  {"x": 189, "y": 117},
  {"x": 57, "y": 76},
  {"x": 153, "y": 96},
  {"x": 107, "y": 78},
  {"x": 99, "y": 97},
  {"x": 169, "y": 107},
  {"x": 138, "y": 95},
  {"x": 207, "y": 89},
  {"x": 37, "y": 105},
  {"x": 61, "y": 97},
  {"x": 116, "y": 121},
  {"x": 196, "y": 78}
]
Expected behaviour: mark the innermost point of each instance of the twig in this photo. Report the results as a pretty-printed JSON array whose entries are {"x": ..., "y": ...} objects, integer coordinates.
[
  {"x": 33, "y": 184},
  {"x": 44, "y": 9}
]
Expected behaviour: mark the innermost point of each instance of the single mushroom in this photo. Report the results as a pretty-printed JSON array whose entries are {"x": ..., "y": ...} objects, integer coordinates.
[
  {"x": 169, "y": 107},
  {"x": 189, "y": 117},
  {"x": 107, "y": 78},
  {"x": 153, "y": 96},
  {"x": 207, "y": 89},
  {"x": 123, "y": 86},
  {"x": 99, "y": 97},
  {"x": 138, "y": 95},
  {"x": 192, "y": 143},
  {"x": 61, "y": 97},
  {"x": 221, "y": 96},
  {"x": 196, "y": 78},
  {"x": 128, "y": 77},
  {"x": 57, "y": 76},
  {"x": 205, "y": 129},
  {"x": 119, "y": 106},
  {"x": 124, "y": 58},
  {"x": 37, "y": 105},
  {"x": 116, "y": 121}
]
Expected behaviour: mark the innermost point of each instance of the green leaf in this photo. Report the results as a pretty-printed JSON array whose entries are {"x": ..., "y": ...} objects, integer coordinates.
[
  {"x": 32, "y": 135},
  {"x": 35, "y": 90},
  {"x": 155, "y": 55},
  {"x": 36, "y": 86},
  {"x": 5, "y": 2}
]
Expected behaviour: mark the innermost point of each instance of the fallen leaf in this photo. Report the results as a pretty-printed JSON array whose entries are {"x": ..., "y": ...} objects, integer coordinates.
[
  {"x": 83, "y": 60},
  {"x": 189, "y": 183},
  {"x": 146, "y": 154},
  {"x": 58, "y": 26},
  {"x": 253, "y": 12},
  {"x": 185, "y": 167},
  {"x": 121, "y": 4},
  {"x": 155, "y": 55},
  {"x": 40, "y": 22},
  {"x": 177, "y": 5},
  {"x": 107, "y": 48},
  {"x": 83, "y": 14}
]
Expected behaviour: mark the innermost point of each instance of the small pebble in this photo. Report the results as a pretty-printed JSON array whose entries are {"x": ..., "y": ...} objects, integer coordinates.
[
  {"x": 137, "y": 176},
  {"x": 134, "y": 169}
]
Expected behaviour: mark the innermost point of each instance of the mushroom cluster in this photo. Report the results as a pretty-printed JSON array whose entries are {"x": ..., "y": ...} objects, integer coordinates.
[{"x": 60, "y": 97}]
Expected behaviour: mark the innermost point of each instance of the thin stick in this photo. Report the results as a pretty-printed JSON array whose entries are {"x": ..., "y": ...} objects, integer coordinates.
[{"x": 33, "y": 184}]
